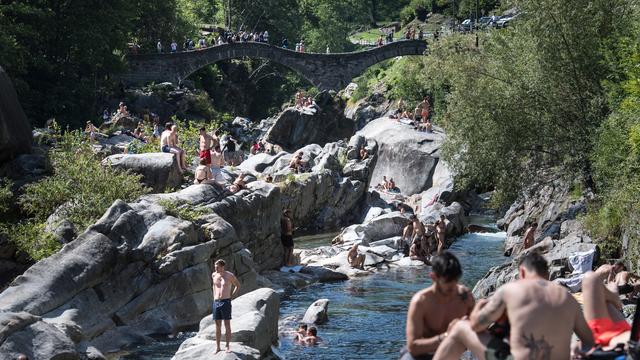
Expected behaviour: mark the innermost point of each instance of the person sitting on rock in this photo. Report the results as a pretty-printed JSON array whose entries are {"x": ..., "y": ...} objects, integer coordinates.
[
  {"x": 609, "y": 272},
  {"x": 355, "y": 259},
  {"x": 203, "y": 173},
  {"x": 418, "y": 252},
  {"x": 542, "y": 318},
  {"x": 138, "y": 132},
  {"x": 363, "y": 153},
  {"x": 269, "y": 178},
  {"x": 296, "y": 163},
  {"x": 602, "y": 310},
  {"x": 91, "y": 130},
  {"x": 172, "y": 142},
  {"x": 627, "y": 283},
  {"x": 391, "y": 185},
  {"x": 434, "y": 309},
  {"x": 238, "y": 184}
]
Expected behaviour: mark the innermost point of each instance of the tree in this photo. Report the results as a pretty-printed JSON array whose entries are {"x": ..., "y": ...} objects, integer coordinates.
[{"x": 531, "y": 97}]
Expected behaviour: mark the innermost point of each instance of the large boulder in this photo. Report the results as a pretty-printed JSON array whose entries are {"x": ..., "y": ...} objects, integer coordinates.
[
  {"x": 382, "y": 227},
  {"x": 404, "y": 154},
  {"x": 15, "y": 130},
  {"x": 159, "y": 170},
  {"x": 254, "y": 325},
  {"x": 295, "y": 128},
  {"x": 317, "y": 313}
]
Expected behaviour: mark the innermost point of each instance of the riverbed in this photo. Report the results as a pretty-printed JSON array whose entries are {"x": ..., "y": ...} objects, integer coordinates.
[{"x": 366, "y": 315}]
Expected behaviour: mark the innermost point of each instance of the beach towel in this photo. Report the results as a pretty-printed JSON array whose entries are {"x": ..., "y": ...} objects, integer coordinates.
[{"x": 581, "y": 263}]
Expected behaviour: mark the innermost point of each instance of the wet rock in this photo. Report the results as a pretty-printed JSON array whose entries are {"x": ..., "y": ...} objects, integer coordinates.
[
  {"x": 317, "y": 313},
  {"x": 381, "y": 227}
]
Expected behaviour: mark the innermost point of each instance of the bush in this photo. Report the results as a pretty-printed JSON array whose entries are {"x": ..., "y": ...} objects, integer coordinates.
[
  {"x": 83, "y": 186},
  {"x": 6, "y": 195},
  {"x": 181, "y": 209}
]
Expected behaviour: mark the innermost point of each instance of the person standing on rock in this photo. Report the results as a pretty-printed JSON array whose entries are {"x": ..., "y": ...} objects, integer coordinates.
[
  {"x": 433, "y": 309},
  {"x": 286, "y": 237},
  {"x": 529, "y": 238},
  {"x": 355, "y": 259},
  {"x": 217, "y": 162},
  {"x": 441, "y": 232},
  {"x": 205, "y": 146},
  {"x": 223, "y": 281},
  {"x": 418, "y": 229}
]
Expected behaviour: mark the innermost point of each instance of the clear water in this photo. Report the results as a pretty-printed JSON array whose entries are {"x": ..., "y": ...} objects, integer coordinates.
[{"x": 366, "y": 315}]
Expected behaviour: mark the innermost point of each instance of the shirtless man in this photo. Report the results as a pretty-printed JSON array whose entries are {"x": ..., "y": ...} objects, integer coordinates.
[
  {"x": 217, "y": 162},
  {"x": 238, "y": 184},
  {"x": 602, "y": 309},
  {"x": 286, "y": 236},
  {"x": 355, "y": 259},
  {"x": 222, "y": 294},
  {"x": 433, "y": 309},
  {"x": 205, "y": 145},
  {"x": 296, "y": 163},
  {"x": 418, "y": 229},
  {"x": 529, "y": 236},
  {"x": 417, "y": 252},
  {"x": 215, "y": 139},
  {"x": 441, "y": 232},
  {"x": 542, "y": 318},
  {"x": 169, "y": 144},
  {"x": 312, "y": 336}
]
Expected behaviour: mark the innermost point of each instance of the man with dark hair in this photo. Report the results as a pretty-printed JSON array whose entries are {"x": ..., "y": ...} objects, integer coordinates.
[
  {"x": 542, "y": 317},
  {"x": 222, "y": 284},
  {"x": 286, "y": 237},
  {"x": 433, "y": 309}
]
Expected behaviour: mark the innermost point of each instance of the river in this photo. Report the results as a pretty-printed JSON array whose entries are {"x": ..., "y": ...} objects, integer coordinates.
[{"x": 366, "y": 315}]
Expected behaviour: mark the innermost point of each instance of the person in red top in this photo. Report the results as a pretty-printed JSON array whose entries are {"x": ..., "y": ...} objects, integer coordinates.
[{"x": 205, "y": 146}]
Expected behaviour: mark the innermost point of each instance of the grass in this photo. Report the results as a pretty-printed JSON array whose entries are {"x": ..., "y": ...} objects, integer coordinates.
[{"x": 432, "y": 24}]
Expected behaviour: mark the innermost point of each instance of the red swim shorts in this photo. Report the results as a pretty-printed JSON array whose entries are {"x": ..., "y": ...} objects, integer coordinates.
[
  {"x": 605, "y": 329},
  {"x": 206, "y": 154}
]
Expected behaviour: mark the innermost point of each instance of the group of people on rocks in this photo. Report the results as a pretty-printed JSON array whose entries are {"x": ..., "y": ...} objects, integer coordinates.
[
  {"x": 213, "y": 158},
  {"x": 425, "y": 239},
  {"x": 386, "y": 185},
  {"x": 529, "y": 318},
  {"x": 419, "y": 117},
  {"x": 139, "y": 132},
  {"x": 305, "y": 103}
]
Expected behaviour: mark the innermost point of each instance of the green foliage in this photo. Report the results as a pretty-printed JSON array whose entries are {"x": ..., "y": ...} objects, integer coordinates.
[
  {"x": 183, "y": 210},
  {"x": 531, "y": 97},
  {"x": 30, "y": 238},
  {"x": 6, "y": 195},
  {"x": 83, "y": 186}
]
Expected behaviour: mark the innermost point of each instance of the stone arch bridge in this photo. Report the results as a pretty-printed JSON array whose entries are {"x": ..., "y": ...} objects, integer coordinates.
[{"x": 325, "y": 71}]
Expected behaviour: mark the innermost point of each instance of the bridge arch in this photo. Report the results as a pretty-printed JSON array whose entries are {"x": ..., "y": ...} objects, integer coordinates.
[{"x": 325, "y": 71}]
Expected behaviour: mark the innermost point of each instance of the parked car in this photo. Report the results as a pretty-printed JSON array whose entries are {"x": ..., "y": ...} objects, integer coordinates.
[
  {"x": 467, "y": 25},
  {"x": 506, "y": 20},
  {"x": 484, "y": 21}
]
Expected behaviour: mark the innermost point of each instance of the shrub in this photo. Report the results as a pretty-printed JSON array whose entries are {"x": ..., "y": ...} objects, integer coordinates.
[
  {"x": 79, "y": 182},
  {"x": 181, "y": 209},
  {"x": 6, "y": 195}
]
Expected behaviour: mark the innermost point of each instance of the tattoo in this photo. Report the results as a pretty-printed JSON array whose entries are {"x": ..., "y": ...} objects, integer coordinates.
[
  {"x": 495, "y": 303},
  {"x": 538, "y": 349}
]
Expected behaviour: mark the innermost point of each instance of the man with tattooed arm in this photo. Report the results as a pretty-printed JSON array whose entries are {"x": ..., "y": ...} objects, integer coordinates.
[
  {"x": 433, "y": 309},
  {"x": 542, "y": 317}
]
